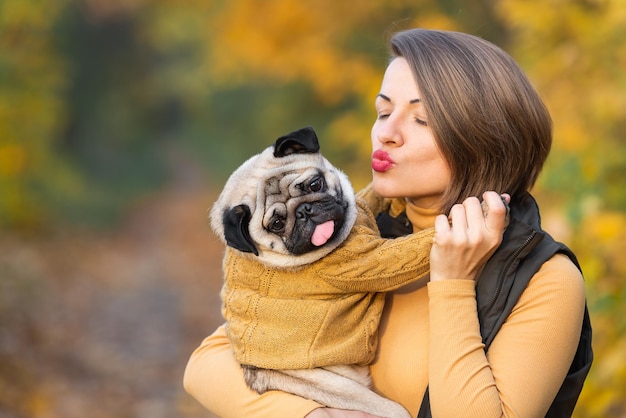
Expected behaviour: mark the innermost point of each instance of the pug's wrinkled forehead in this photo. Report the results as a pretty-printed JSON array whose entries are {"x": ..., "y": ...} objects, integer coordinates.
[
  {"x": 301, "y": 178},
  {"x": 292, "y": 183},
  {"x": 304, "y": 182}
]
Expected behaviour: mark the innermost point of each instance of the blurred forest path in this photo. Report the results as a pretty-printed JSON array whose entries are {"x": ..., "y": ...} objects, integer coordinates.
[{"x": 103, "y": 324}]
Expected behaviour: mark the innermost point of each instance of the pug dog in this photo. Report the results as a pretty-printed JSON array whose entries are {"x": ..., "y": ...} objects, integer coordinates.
[{"x": 304, "y": 270}]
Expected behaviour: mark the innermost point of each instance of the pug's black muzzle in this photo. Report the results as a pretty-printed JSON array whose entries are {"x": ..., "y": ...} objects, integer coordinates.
[{"x": 308, "y": 216}]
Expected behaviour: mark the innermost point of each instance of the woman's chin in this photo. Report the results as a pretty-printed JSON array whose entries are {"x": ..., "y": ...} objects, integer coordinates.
[{"x": 384, "y": 187}]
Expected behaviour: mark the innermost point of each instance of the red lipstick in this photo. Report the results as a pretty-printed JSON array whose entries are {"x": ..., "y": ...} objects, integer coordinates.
[{"x": 381, "y": 161}]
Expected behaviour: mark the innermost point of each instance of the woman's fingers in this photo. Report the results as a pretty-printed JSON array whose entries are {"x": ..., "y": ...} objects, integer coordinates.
[
  {"x": 466, "y": 239},
  {"x": 497, "y": 211},
  {"x": 459, "y": 215},
  {"x": 465, "y": 218}
]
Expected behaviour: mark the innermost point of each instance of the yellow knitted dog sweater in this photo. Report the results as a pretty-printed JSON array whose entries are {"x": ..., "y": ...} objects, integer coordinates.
[{"x": 325, "y": 313}]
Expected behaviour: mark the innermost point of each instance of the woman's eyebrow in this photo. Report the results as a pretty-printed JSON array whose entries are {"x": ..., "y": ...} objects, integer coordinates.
[{"x": 387, "y": 99}]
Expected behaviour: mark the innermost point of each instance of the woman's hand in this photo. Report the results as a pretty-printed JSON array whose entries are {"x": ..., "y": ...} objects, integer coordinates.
[
  {"x": 465, "y": 240},
  {"x": 337, "y": 413}
]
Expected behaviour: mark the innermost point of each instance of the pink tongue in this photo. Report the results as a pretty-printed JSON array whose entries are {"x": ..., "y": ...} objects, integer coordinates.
[{"x": 322, "y": 233}]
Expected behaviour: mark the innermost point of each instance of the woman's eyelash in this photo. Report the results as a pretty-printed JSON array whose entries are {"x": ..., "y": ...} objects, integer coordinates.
[{"x": 418, "y": 120}]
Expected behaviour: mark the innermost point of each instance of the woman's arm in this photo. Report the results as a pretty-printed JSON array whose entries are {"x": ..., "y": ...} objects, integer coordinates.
[
  {"x": 527, "y": 360},
  {"x": 215, "y": 379},
  {"x": 531, "y": 354}
]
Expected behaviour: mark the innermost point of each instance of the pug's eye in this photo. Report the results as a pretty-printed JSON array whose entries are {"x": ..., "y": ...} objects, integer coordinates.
[
  {"x": 277, "y": 225},
  {"x": 317, "y": 185}
]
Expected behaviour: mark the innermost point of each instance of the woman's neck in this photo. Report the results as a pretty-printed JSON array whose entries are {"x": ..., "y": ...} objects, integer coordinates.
[{"x": 421, "y": 218}]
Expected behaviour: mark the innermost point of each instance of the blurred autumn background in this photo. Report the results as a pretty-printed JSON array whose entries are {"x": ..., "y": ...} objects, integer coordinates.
[{"x": 120, "y": 119}]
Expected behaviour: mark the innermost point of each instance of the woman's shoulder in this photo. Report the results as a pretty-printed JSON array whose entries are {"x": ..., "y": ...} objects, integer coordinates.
[
  {"x": 558, "y": 280},
  {"x": 560, "y": 268}
]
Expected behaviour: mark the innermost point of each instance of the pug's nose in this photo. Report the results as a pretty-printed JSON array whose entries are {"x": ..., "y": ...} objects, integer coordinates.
[{"x": 304, "y": 211}]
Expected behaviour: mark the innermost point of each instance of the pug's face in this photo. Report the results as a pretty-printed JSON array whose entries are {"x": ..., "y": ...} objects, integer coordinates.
[{"x": 288, "y": 205}]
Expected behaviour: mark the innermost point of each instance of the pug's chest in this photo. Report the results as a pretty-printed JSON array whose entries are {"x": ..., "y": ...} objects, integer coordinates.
[{"x": 249, "y": 277}]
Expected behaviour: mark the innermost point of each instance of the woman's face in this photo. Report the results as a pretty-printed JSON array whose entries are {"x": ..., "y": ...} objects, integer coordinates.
[{"x": 406, "y": 162}]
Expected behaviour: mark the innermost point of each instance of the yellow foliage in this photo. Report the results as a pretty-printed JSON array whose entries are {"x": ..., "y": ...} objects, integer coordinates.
[
  {"x": 606, "y": 231},
  {"x": 350, "y": 128},
  {"x": 12, "y": 159},
  {"x": 607, "y": 228},
  {"x": 352, "y": 131},
  {"x": 29, "y": 13},
  {"x": 31, "y": 110},
  {"x": 575, "y": 53},
  {"x": 285, "y": 41}
]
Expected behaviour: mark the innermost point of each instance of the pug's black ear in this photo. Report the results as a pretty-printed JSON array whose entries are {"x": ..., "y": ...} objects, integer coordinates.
[
  {"x": 236, "y": 229},
  {"x": 302, "y": 141}
]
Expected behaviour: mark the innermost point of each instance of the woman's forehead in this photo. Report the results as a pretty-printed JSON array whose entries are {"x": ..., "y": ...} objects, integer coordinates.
[{"x": 398, "y": 83}]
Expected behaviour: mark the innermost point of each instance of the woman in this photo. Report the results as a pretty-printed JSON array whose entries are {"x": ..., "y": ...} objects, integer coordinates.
[{"x": 456, "y": 117}]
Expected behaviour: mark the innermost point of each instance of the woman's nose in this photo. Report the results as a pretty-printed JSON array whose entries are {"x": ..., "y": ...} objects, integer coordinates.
[{"x": 389, "y": 134}]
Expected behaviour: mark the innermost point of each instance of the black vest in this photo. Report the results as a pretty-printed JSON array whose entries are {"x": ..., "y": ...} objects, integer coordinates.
[{"x": 524, "y": 249}]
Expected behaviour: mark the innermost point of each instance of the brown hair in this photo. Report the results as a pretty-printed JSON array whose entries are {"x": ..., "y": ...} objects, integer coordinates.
[{"x": 489, "y": 123}]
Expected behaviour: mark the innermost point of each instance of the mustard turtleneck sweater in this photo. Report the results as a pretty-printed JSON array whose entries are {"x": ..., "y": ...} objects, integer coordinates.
[{"x": 429, "y": 335}]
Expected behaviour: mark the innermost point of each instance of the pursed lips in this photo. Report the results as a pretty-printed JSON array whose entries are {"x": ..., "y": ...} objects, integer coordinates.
[{"x": 381, "y": 161}]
